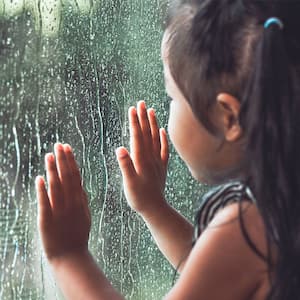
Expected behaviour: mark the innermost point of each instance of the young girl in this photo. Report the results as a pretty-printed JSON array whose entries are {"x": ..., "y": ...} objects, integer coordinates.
[{"x": 232, "y": 70}]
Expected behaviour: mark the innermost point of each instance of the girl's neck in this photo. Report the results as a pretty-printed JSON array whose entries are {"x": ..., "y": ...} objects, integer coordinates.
[{"x": 236, "y": 173}]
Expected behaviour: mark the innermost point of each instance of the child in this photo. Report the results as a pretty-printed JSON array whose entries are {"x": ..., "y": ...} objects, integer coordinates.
[{"x": 232, "y": 70}]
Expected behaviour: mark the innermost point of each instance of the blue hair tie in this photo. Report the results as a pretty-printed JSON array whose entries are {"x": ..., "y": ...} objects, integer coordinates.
[{"x": 274, "y": 20}]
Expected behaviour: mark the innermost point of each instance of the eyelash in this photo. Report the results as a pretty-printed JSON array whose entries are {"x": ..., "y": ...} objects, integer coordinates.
[{"x": 169, "y": 98}]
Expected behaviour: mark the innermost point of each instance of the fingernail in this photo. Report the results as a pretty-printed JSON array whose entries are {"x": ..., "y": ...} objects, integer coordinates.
[
  {"x": 67, "y": 147},
  {"x": 38, "y": 180},
  {"x": 58, "y": 147},
  {"x": 151, "y": 111},
  {"x": 132, "y": 109},
  {"x": 163, "y": 130},
  {"x": 49, "y": 158},
  {"x": 121, "y": 152},
  {"x": 142, "y": 103}
]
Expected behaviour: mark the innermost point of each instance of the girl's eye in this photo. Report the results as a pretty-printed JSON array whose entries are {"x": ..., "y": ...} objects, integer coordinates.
[{"x": 169, "y": 98}]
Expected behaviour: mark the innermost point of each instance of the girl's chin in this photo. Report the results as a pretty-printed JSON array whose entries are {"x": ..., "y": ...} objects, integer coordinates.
[
  {"x": 211, "y": 177},
  {"x": 200, "y": 177}
]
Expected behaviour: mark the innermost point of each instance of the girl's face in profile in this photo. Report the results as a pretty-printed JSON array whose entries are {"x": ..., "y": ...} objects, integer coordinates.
[{"x": 198, "y": 148}]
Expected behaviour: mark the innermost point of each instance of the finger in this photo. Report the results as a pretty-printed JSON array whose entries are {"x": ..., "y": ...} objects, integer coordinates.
[
  {"x": 164, "y": 152},
  {"x": 54, "y": 184},
  {"x": 125, "y": 163},
  {"x": 74, "y": 170},
  {"x": 136, "y": 136},
  {"x": 44, "y": 207},
  {"x": 64, "y": 172},
  {"x": 144, "y": 123},
  {"x": 154, "y": 131},
  {"x": 75, "y": 174}
]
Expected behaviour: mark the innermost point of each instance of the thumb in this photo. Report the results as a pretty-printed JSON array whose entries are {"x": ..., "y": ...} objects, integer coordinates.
[
  {"x": 164, "y": 152},
  {"x": 44, "y": 208},
  {"x": 125, "y": 163}
]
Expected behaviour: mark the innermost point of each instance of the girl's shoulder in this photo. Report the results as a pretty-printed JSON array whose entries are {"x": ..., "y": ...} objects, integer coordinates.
[
  {"x": 234, "y": 203},
  {"x": 217, "y": 198},
  {"x": 221, "y": 255}
]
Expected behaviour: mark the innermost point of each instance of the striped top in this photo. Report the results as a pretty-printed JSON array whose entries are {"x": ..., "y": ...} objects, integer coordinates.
[{"x": 216, "y": 199}]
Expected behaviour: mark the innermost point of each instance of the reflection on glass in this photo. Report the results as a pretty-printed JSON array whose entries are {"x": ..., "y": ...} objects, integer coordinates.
[{"x": 69, "y": 71}]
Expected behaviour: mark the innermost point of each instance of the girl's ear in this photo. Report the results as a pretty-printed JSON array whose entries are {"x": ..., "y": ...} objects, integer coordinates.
[{"x": 228, "y": 108}]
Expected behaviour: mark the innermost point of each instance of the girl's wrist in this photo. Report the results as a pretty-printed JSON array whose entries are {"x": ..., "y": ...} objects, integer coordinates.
[
  {"x": 68, "y": 257},
  {"x": 156, "y": 211}
]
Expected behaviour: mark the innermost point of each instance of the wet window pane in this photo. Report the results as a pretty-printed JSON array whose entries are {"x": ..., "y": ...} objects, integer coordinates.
[{"x": 69, "y": 71}]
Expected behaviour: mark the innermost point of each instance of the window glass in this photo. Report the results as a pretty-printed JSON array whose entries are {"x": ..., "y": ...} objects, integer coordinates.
[{"x": 69, "y": 71}]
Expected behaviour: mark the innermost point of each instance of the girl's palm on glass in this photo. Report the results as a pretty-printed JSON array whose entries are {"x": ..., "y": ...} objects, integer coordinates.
[
  {"x": 144, "y": 169},
  {"x": 63, "y": 215}
]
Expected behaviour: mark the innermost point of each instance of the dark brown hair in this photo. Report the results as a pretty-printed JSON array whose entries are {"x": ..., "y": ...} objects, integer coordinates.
[{"x": 222, "y": 46}]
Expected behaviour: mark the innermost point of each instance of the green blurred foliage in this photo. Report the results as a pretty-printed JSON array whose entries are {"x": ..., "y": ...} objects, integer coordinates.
[{"x": 73, "y": 82}]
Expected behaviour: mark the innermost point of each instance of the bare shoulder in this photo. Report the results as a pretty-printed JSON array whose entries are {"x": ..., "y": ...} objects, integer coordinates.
[
  {"x": 221, "y": 264},
  {"x": 251, "y": 218}
]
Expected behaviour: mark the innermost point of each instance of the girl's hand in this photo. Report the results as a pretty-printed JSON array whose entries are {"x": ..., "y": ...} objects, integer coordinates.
[
  {"x": 63, "y": 215},
  {"x": 144, "y": 169}
]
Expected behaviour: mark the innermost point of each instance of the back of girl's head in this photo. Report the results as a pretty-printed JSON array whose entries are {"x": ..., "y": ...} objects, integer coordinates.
[{"x": 219, "y": 46}]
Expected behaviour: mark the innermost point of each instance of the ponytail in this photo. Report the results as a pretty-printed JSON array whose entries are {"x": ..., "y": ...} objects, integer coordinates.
[{"x": 270, "y": 117}]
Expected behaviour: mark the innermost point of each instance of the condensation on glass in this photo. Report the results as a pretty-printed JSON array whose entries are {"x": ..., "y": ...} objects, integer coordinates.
[{"x": 69, "y": 71}]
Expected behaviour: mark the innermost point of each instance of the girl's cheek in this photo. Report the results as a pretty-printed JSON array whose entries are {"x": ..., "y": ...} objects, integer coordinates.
[
  {"x": 170, "y": 130},
  {"x": 171, "y": 125},
  {"x": 174, "y": 133}
]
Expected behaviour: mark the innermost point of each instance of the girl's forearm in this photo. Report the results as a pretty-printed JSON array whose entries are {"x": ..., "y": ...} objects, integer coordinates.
[
  {"x": 172, "y": 232},
  {"x": 80, "y": 278}
]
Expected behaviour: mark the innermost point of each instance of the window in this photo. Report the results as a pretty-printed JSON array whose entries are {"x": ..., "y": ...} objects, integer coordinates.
[{"x": 69, "y": 71}]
